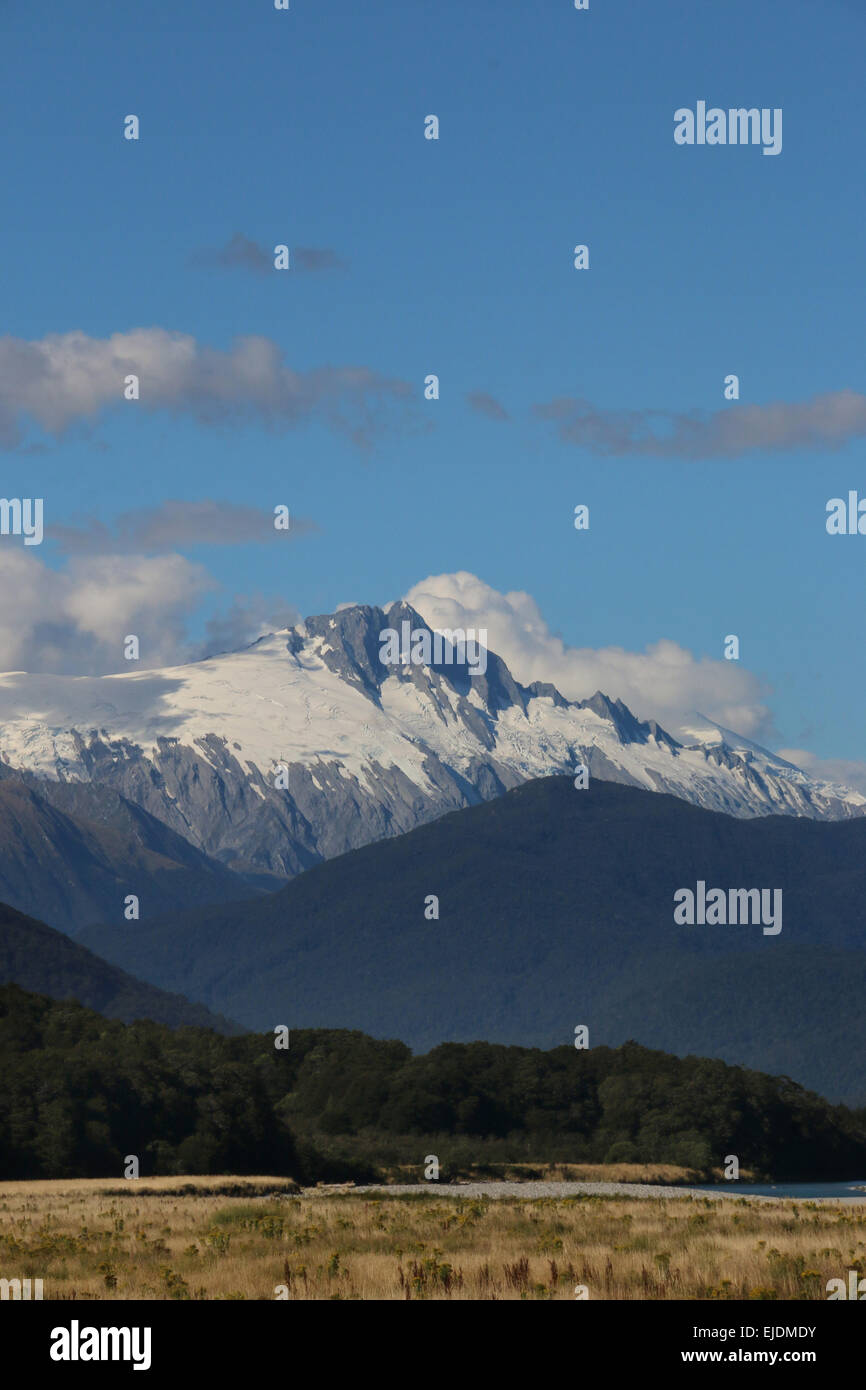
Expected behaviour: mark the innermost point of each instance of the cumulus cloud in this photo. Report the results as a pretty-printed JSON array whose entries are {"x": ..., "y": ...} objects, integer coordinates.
[
  {"x": 829, "y": 421},
  {"x": 174, "y": 525},
  {"x": 74, "y": 621},
  {"x": 487, "y": 405},
  {"x": 240, "y": 253},
  {"x": 68, "y": 377},
  {"x": 665, "y": 682}
]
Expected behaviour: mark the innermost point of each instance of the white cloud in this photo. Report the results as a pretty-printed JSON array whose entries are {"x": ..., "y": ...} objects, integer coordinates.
[
  {"x": 665, "y": 682},
  {"x": 73, "y": 621}
]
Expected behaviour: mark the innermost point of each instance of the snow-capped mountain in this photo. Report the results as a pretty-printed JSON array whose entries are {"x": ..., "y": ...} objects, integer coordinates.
[{"x": 305, "y": 744}]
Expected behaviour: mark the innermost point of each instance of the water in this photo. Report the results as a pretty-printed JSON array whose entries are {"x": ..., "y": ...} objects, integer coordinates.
[{"x": 793, "y": 1189}]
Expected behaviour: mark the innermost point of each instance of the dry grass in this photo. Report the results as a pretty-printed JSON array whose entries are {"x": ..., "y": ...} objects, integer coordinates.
[
  {"x": 148, "y": 1187},
  {"x": 101, "y": 1240}
]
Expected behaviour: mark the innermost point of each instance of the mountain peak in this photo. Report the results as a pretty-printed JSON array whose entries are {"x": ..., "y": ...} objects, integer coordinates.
[
  {"x": 630, "y": 729},
  {"x": 307, "y": 743}
]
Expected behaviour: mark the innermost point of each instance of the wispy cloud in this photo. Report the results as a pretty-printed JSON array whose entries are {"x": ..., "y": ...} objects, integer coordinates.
[
  {"x": 241, "y": 253},
  {"x": 844, "y": 772},
  {"x": 249, "y": 617},
  {"x": 176, "y": 525},
  {"x": 314, "y": 258},
  {"x": 487, "y": 405},
  {"x": 828, "y": 421},
  {"x": 65, "y": 378}
]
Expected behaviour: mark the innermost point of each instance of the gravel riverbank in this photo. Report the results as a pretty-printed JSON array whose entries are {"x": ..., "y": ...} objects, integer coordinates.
[{"x": 559, "y": 1189}]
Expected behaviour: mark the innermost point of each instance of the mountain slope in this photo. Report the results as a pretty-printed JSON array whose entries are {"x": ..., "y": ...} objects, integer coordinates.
[
  {"x": 556, "y": 909},
  {"x": 44, "y": 961},
  {"x": 306, "y": 745},
  {"x": 71, "y": 852}
]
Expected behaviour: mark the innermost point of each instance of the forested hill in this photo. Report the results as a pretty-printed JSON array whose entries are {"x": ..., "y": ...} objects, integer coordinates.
[
  {"x": 38, "y": 958},
  {"x": 78, "y": 1093},
  {"x": 556, "y": 907}
]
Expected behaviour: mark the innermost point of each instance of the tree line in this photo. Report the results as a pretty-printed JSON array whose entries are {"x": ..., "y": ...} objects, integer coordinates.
[{"x": 79, "y": 1093}]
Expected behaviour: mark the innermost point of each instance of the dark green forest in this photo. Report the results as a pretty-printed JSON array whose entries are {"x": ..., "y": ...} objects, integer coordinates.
[{"x": 79, "y": 1092}]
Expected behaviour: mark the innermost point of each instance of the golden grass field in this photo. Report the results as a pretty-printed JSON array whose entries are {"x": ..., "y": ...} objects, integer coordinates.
[{"x": 223, "y": 1238}]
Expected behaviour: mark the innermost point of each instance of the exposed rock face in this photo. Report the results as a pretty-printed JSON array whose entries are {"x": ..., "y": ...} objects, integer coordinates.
[{"x": 70, "y": 852}]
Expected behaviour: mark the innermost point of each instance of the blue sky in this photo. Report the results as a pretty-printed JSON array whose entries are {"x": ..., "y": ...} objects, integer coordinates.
[{"x": 306, "y": 128}]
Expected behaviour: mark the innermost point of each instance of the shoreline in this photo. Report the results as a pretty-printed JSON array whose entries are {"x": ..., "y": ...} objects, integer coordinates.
[{"x": 561, "y": 1189}]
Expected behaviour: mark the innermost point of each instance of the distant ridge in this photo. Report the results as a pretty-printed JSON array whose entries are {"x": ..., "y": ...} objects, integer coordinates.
[
  {"x": 70, "y": 852},
  {"x": 44, "y": 961}
]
